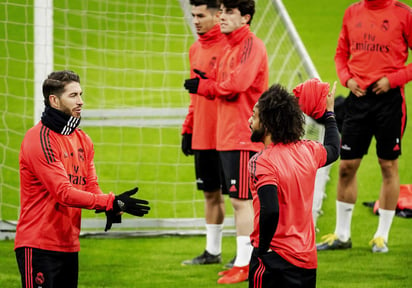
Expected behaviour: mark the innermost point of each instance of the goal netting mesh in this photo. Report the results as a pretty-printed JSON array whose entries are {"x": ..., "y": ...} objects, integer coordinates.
[{"x": 132, "y": 57}]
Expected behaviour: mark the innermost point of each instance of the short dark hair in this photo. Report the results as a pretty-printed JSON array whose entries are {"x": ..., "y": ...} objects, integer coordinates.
[
  {"x": 55, "y": 83},
  {"x": 210, "y": 4},
  {"x": 244, "y": 6},
  {"x": 280, "y": 115}
]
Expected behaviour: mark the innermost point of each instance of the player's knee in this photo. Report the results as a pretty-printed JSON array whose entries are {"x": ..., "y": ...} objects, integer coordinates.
[
  {"x": 347, "y": 169},
  {"x": 214, "y": 198},
  {"x": 389, "y": 168}
]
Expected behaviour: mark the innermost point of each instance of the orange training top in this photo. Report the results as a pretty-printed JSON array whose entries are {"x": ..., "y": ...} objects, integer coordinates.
[
  {"x": 241, "y": 80},
  {"x": 292, "y": 168},
  {"x": 57, "y": 178},
  {"x": 374, "y": 42},
  {"x": 204, "y": 55}
]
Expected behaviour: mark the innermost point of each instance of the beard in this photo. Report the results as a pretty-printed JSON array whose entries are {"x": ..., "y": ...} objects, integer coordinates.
[
  {"x": 257, "y": 135},
  {"x": 65, "y": 110},
  {"x": 69, "y": 112}
]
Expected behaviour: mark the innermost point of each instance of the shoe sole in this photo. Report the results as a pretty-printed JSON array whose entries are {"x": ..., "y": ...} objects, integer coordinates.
[
  {"x": 224, "y": 281},
  {"x": 323, "y": 247},
  {"x": 195, "y": 264},
  {"x": 333, "y": 248},
  {"x": 380, "y": 250}
]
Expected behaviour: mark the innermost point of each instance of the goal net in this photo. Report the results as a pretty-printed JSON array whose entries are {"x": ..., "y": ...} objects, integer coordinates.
[{"x": 132, "y": 57}]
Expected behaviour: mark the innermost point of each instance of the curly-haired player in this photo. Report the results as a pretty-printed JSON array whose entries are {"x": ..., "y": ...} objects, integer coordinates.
[{"x": 282, "y": 184}]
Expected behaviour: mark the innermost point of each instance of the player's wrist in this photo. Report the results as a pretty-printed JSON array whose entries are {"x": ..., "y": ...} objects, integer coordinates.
[{"x": 329, "y": 114}]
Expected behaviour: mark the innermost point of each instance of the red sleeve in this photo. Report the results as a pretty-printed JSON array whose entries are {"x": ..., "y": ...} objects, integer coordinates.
[
  {"x": 92, "y": 183},
  {"x": 44, "y": 159},
  {"x": 343, "y": 53},
  {"x": 187, "y": 126},
  {"x": 264, "y": 174},
  {"x": 243, "y": 76},
  {"x": 402, "y": 76},
  {"x": 318, "y": 151}
]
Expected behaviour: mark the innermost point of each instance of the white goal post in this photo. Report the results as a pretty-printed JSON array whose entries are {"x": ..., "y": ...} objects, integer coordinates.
[{"x": 132, "y": 59}]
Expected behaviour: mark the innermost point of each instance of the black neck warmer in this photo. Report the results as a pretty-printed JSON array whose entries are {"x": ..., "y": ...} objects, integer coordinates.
[{"x": 58, "y": 121}]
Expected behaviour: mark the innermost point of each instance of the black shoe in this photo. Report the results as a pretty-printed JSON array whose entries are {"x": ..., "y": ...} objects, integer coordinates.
[
  {"x": 205, "y": 258},
  {"x": 331, "y": 242},
  {"x": 229, "y": 265}
]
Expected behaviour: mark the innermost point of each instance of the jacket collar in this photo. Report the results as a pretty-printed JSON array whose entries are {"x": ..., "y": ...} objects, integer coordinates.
[
  {"x": 238, "y": 35},
  {"x": 377, "y": 4}
]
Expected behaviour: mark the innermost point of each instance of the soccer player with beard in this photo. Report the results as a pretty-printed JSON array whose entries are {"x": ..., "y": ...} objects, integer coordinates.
[
  {"x": 242, "y": 77},
  {"x": 57, "y": 179},
  {"x": 282, "y": 179}
]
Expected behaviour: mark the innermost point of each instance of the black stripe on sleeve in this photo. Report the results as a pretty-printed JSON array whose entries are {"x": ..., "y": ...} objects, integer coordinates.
[
  {"x": 45, "y": 144},
  {"x": 246, "y": 50}
]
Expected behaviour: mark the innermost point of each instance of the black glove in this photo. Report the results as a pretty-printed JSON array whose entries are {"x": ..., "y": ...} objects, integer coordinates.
[
  {"x": 129, "y": 205},
  {"x": 134, "y": 206},
  {"x": 193, "y": 84},
  {"x": 187, "y": 144},
  {"x": 111, "y": 218}
]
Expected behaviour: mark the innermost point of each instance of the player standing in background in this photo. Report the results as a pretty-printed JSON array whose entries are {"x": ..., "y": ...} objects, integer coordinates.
[
  {"x": 57, "y": 179},
  {"x": 199, "y": 127},
  {"x": 242, "y": 77},
  {"x": 370, "y": 60},
  {"x": 282, "y": 183}
]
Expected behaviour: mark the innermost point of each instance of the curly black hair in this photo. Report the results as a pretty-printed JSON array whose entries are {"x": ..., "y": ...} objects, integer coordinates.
[{"x": 280, "y": 115}]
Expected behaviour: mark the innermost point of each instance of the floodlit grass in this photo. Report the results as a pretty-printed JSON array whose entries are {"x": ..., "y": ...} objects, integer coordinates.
[{"x": 155, "y": 262}]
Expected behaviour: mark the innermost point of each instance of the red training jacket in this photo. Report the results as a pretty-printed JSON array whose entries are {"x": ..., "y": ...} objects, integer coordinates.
[
  {"x": 204, "y": 55},
  {"x": 241, "y": 80},
  {"x": 57, "y": 179}
]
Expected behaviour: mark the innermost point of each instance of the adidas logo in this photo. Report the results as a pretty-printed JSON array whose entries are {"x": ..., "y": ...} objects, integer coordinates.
[
  {"x": 233, "y": 188},
  {"x": 346, "y": 147},
  {"x": 396, "y": 148}
]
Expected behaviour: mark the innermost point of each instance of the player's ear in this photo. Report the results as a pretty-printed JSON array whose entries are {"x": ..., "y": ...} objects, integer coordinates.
[
  {"x": 245, "y": 19},
  {"x": 54, "y": 101}
]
